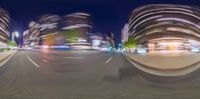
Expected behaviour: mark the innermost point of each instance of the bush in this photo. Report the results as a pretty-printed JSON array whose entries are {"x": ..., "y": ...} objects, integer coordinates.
[{"x": 11, "y": 43}]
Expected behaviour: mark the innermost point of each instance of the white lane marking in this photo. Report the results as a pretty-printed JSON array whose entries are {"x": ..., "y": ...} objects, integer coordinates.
[
  {"x": 32, "y": 61},
  {"x": 108, "y": 60},
  {"x": 44, "y": 60},
  {"x": 74, "y": 57}
]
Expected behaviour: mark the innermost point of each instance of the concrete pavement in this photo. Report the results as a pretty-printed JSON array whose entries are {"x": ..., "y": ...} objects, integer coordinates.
[
  {"x": 171, "y": 64},
  {"x": 5, "y": 56},
  {"x": 99, "y": 75},
  {"x": 166, "y": 61}
]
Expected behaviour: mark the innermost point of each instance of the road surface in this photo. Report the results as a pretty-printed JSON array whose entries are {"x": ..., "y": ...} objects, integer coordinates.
[{"x": 34, "y": 74}]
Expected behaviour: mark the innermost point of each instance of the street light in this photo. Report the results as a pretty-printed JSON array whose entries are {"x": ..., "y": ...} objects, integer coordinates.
[{"x": 15, "y": 34}]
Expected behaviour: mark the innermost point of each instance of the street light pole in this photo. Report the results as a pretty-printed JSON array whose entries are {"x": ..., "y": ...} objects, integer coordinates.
[
  {"x": 15, "y": 34},
  {"x": 13, "y": 37}
]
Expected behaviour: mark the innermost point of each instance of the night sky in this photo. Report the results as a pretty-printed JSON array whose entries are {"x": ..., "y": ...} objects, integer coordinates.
[{"x": 107, "y": 15}]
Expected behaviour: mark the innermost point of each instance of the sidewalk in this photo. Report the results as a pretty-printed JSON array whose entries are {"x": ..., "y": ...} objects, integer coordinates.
[
  {"x": 168, "y": 64},
  {"x": 4, "y": 55}
]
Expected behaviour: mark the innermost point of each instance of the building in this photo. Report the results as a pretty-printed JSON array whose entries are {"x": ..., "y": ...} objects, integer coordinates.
[
  {"x": 49, "y": 29},
  {"x": 81, "y": 24},
  {"x": 78, "y": 21},
  {"x": 166, "y": 27},
  {"x": 124, "y": 33},
  {"x": 26, "y": 40},
  {"x": 55, "y": 30},
  {"x": 31, "y": 36},
  {"x": 4, "y": 27},
  {"x": 96, "y": 40}
]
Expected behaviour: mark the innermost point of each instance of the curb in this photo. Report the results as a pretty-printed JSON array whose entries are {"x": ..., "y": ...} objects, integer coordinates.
[
  {"x": 164, "y": 72},
  {"x": 5, "y": 58}
]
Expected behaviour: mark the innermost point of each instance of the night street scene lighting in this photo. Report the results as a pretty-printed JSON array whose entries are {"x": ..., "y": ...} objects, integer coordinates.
[{"x": 99, "y": 49}]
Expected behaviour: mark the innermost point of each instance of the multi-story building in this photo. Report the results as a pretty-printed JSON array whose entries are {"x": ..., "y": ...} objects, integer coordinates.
[
  {"x": 124, "y": 34},
  {"x": 31, "y": 36},
  {"x": 165, "y": 27},
  {"x": 26, "y": 35},
  {"x": 4, "y": 27},
  {"x": 39, "y": 30},
  {"x": 79, "y": 22},
  {"x": 55, "y": 30},
  {"x": 49, "y": 29}
]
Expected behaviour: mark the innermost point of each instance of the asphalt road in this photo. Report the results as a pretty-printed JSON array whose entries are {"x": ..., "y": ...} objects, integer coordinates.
[{"x": 33, "y": 74}]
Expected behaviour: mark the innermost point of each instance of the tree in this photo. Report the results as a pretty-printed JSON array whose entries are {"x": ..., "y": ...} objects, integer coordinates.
[
  {"x": 71, "y": 35},
  {"x": 11, "y": 43},
  {"x": 131, "y": 43}
]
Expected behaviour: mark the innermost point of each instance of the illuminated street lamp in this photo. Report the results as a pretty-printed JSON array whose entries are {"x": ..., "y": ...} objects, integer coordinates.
[{"x": 15, "y": 34}]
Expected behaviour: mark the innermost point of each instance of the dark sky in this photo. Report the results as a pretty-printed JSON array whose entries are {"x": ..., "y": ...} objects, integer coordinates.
[{"x": 107, "y": 15}]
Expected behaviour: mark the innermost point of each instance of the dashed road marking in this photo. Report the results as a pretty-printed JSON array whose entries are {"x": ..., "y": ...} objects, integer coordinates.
[
  {"x": 108, "y": 60},
  {"x": 32, "y": 61},
  {"x": 74, "y": 57},
  {"x": 44, "y": 60}
]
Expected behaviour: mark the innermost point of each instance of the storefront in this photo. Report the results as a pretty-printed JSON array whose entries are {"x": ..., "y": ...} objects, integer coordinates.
[{"x": 172, "y": 44}]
